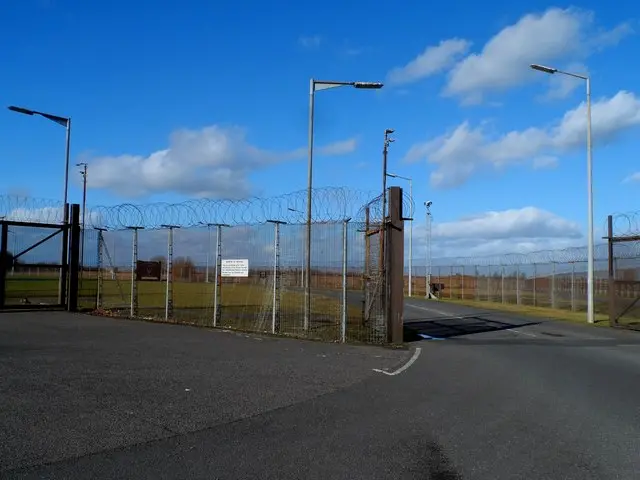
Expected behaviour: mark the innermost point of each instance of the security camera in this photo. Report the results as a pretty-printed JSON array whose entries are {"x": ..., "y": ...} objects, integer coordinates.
[
  {"x": 389, "y": 131},
  {"x": 428, "y": 204}
]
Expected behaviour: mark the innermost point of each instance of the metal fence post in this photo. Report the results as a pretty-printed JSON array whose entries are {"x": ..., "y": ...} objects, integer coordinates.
[
  {"x": 133, "y": 303},
  {"x": 168, "y": 299},
  {"x": 74, "y": 259},
  {"x": 275, "y": 312},
  {"x": 535, "y": 274},
  {"x": 100, "y": 271},
  {"x": 518, "y": 284},
  {"x": 451, "y": 282},
  {"x": 216, "y": 281},
  {"x": 502, "y": 283},
  {"x": 488, "y": 285},
  {"x": 477, "y": 272},
  {"x": 462, "y": 284},
  {"x": 573, "y": 284},
  {"x": 4, "y": 237},
  {"x": 553, "y": 285},
  {"x": 343, "y": 323}
]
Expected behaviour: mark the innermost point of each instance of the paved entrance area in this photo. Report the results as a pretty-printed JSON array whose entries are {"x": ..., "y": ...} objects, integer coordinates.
[{"x": 74, "y": 385}]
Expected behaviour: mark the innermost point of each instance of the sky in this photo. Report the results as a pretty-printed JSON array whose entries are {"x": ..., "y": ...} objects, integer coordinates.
[{"x": 172, "y": 101}]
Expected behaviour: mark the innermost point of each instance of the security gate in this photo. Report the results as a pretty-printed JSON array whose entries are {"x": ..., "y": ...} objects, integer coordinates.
[{"x": 39, "y": 263}]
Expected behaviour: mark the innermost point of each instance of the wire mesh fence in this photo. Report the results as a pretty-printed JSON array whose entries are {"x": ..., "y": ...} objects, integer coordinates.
[
  {"x": 552, "y": 279},
  {"x": 193, "y": 284}
]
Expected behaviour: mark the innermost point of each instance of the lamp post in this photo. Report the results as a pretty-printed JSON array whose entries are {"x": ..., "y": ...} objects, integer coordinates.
[
  {"x": 590, "y": 245},
  {"x": 428, "y": 271},
  {"x": 65, "y": 122},
  {"x": 316, "y": 85},
  {"x": 393, "y": 175}
]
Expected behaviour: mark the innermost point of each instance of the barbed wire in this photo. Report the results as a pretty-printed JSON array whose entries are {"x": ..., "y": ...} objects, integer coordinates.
[
  {"x": 329, "y": 204},
  {"x": 30, "y": 209},
  {"x": 625, "y": 224},
  {"x": 568, "y": 255}
]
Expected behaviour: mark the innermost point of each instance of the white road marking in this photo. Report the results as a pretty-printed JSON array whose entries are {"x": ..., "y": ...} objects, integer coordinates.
[
  {"x": 411, "y": 361},
  {"x": 433, "y": 310},
  {"x": 522, "y": 332}
]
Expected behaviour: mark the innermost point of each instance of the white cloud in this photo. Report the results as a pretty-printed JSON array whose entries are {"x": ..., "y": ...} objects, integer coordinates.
[
  {"x": 463, "y": 151},
  {"x": 523, "y": 230},
  {"x": 545, "y": 161},
  {"x": 431, "y": 61},
  {"x": 213, "y": 162},
  {"x": 339, "y": 148},
  {"x": 556, "y": 35},
  {"x": 634, "y": 177},
  {"x": 310, "y": 41}
]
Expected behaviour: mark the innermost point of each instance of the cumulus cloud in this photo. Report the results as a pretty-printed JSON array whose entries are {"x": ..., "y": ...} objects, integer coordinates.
[
  {"x": 434, "y": 59},
  {"x": 556, "y": 36},
  {"x": 459, "y": 153},
  {"x": 523, "y": 230},
  {"x": 213, "y": 162}
]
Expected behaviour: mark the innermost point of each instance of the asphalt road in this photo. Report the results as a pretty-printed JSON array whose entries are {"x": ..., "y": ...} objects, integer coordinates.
[{"x": 486, "y": 396}]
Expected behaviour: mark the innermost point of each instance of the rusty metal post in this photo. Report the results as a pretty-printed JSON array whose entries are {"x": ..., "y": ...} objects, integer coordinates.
[
  {"x": 394, "y": 259},
  {"x": 612, "y": 281}
]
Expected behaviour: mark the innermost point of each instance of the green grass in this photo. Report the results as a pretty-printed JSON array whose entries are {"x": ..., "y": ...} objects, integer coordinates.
[
  {"x": 243, "y": 306},
  {"x": 601, "y": 319}
]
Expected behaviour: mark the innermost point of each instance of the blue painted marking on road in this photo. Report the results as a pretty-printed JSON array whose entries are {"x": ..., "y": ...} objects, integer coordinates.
[{"x": 429, "y": 337}]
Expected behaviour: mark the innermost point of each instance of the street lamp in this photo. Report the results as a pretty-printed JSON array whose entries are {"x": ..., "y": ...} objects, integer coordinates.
[
  {"x": 428, "y": 271},
  {"x": 590, "y": 246},
  {"x": 316, "y": 85},
  {"x": 393, "y": 175},
  {"x": 65, "y": 122}
]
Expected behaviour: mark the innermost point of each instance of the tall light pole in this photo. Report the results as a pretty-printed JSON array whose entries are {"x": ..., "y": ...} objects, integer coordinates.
[
  {"x": 316, "y": 85},
  {"x": 83, "y": 172},
  {"x": 393, "y": 175},
  {"x": 428, "y": 270},
  {"x": 65, "y": 122},
  {"x": 590, "y": 246}
]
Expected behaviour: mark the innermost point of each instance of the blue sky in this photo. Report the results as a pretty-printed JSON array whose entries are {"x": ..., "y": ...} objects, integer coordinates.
[{"x": 172, "y": 100}]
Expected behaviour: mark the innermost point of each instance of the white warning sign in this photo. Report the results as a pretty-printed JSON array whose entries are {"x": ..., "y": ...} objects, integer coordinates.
[{"x": 235, "y": 268}]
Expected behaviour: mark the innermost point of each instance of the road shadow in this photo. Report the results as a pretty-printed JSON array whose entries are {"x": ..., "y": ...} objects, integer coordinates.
[{"x": 442, "y": 328}]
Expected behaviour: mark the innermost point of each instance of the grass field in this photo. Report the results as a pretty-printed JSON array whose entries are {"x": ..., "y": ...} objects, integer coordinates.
[
  {"x": 563, "y": 310},
  {"x": 242, "y": 306}
]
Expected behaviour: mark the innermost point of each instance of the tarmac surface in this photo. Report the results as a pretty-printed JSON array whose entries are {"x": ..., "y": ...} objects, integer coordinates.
[{"x": 476, "y": 395}]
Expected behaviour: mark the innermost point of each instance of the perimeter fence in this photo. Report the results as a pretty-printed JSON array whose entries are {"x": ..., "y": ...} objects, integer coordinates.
[
  {"x": 555, "y": 279},
  {"x": 231, "y": 264}
]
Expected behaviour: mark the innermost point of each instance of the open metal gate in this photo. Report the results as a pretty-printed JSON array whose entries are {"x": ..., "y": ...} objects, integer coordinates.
[{"x": 39, "y": 263}]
